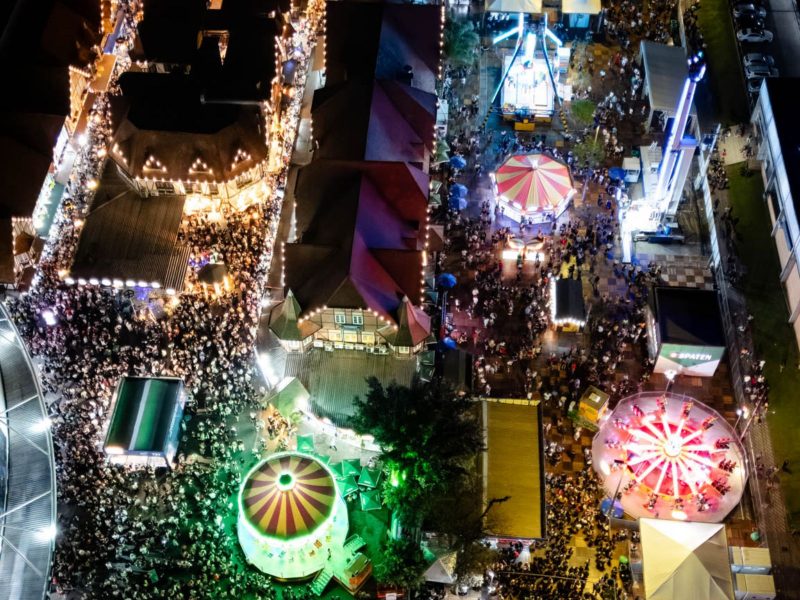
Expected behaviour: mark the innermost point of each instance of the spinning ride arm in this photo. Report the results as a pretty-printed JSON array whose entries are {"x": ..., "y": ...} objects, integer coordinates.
[{"x": 517, "y": 50}]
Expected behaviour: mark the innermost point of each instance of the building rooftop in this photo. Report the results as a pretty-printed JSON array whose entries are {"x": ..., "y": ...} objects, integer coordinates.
[
  {"x": 368, "y": 40},
  {"x": 230, "y": 52},
  {"x": 379, "y": 120},
  {"x": 513, "y": 466},
  {"x": 340, "y": 258},
  {"x": 783, "y": 93},
  {"x": 162, "y": 116},
  {"x": 129, "y": 237},
  {"x": 688, "y": 316}
]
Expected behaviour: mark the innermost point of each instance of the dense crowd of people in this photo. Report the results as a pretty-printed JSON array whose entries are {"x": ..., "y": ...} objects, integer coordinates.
[
  {"x": 152, "y": 533},
  {"x": 544, "y": 571},
  {"x": 161, "y": 534}
]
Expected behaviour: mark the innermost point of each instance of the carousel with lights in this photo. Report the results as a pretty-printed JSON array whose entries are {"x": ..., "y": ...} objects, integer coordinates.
[
  {"x": 292, "y": 519},
  {"x": 669, "y": 456}
]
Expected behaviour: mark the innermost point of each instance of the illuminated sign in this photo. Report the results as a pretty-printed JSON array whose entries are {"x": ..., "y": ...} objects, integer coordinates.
[{"x": 690, "y": 356}]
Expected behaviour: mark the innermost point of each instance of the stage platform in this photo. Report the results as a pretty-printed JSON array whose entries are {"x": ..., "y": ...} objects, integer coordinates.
[{"x": 513, "y": 466}]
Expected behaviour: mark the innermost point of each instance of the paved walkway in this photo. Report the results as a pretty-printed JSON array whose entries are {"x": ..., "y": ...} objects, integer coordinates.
[
  {"x": 769, "y": 507},
  {"x": 731, "y": 147}
]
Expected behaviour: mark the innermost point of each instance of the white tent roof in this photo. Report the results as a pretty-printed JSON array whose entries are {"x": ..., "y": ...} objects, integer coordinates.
[
  {"x": 685, "y": 560},
  {"x": 665, "y": 71},
  {"x": 515, "y": 6},
  {"x": 580, "y": 7},
  {"x": 442, "y": 569}
]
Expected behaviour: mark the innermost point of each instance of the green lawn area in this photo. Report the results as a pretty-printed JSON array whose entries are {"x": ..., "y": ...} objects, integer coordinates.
[
  {"x": 773, "y": 336},
  {"x": 728, "y": 100}
]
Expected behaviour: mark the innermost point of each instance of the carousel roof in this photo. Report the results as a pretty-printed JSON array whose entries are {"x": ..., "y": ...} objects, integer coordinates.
[
  {"x": 534, "y": 182},
  {"x": 288, "y": 496}
]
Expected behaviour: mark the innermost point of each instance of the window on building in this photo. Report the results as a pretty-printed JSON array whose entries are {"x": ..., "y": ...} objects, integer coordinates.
[
  {"x": 339, "y": 318},
  {"x": 335, "y": 335},
  {"x": 164, "y": 188},
  {"x": 776, "y": 207},
  {"x": 358, "y": 318}
]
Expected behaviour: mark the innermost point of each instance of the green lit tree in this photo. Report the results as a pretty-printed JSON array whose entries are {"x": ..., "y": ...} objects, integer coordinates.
[
  {"x": 401, "y": 564},
  {"x": 429, "y": 438},
  {"x": 589, "y": 151},
  {"x": 460, "y": 40}
]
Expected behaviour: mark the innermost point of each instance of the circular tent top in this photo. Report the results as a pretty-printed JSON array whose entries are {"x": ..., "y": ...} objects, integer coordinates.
[
  {"x": 288, "y": 496},
  {"x": 534, "y": 182},
  {"x": 670, "y": 456}
]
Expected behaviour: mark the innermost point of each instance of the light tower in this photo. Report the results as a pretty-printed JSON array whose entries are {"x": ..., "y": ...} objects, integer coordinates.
[{"x": 680, "y": 146}]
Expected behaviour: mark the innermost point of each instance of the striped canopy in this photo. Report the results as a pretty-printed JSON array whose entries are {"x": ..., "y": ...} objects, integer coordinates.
[
  {"x": 533, "y": 182},
  {"x": 288, "y": 496}
]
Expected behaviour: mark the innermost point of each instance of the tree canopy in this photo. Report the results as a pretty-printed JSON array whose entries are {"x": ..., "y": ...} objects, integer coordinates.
[
  {"x": 583, "y": 111},
  {"x": 428, "y": 435},
  {"x": 589, "y": 151},
  {"x": 402, "y": 563},
  {"x": 460, "y": 40},
  {"x": 431, "y": 439}
]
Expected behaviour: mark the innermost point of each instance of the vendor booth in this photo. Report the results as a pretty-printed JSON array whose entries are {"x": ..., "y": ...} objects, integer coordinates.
[
  {"x": 513, "y": 467},
  {"x": 534, "y": 187},
  {"x": 591, "y": 408},
  {"x": 684, "y": 331},
  {"x": 567, "y": 309},
  {"x": 145, "y": 421}
]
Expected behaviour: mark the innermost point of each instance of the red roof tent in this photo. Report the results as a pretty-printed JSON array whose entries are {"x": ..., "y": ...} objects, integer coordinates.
[
  {"x": 369, "y": 41},
  {"x": 361, "y": 227},
  {"x": 381, "y": 120}
]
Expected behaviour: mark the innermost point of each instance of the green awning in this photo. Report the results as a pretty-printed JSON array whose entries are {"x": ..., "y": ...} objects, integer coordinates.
[
  {"x": 369, "y": 478},
  {"x": 370, "y": 500},
  {"x": 348, "y": 486},
  {"x": 351, "y": 466},
  {"x": 336, "y": 469},
  {"x": 145, "y": 415},
  {"x": 305, "y": 443}
]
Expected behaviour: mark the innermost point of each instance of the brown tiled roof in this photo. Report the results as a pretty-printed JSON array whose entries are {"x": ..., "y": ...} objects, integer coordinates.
[
  {"x": 126, "y": 236},
  {"x": 380, "y": 120},
  {"x": 163, "y": 116},
  {"x": 361, "y": 229}
]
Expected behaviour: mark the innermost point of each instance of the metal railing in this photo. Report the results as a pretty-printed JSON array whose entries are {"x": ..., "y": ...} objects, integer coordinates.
[{"x": 27, "y": 520}]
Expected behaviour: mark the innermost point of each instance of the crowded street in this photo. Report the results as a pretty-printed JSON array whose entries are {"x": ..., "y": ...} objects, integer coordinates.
[{"x": 171, "y": 533}]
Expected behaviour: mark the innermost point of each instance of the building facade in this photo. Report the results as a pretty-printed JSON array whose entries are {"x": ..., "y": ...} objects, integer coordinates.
[{"x": 776, "y": 126}]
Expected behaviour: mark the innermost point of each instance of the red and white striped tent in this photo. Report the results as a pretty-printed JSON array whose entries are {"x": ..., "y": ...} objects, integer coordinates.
[{"x": 530, "y": 185}]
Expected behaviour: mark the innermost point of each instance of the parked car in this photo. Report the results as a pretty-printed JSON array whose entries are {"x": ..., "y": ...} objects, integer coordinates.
[
  {"x": 760, "y": 71},
  {"x": 754, "y": 85},
  {"x": 754, "y": 35},
  {"x": 749, "y": 9},
  {"x": 757, "y": 58},
  {"x": 749, "y": 21}
]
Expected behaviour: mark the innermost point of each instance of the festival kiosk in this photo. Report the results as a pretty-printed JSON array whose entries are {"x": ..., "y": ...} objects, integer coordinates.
[{"x": 684, "y": 331}]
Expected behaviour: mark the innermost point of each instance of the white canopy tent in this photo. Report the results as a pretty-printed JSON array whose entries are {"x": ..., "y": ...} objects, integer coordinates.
[
  {"x": 442, "y": 570},
  {"x": 587, "y": 7},
  {"x": 685, "y": 560},
  {"x": 665, "y": 72},
  {"x": 514, "y": 6}
]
